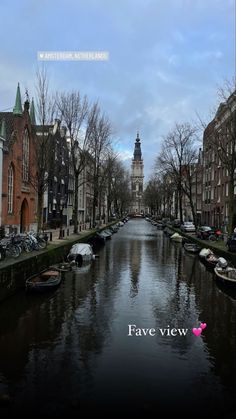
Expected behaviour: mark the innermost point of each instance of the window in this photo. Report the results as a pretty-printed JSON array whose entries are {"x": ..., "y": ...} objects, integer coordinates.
[
  {"x": 226, "y": 209},
  {"x": 25, "y": 158},
  {"x": 10, "y": 189},
  {"x": 226, "y": 189},
  {"x": 212, "y": 193}
]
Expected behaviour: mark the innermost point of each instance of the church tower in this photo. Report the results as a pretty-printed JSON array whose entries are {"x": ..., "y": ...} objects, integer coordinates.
[{"x": 137, "y": 206}]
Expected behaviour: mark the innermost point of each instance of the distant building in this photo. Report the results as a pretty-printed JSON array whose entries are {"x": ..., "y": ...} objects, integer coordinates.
[
  {"x": 18, "y": 168},
  {"x": 85, "y": 191},
  {"x": 56, "y": 191},
  {"x": 137, "y": 205}
]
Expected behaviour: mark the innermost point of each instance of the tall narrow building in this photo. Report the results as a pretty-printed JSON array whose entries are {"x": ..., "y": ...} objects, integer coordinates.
[{"x": 137, "y": 206}]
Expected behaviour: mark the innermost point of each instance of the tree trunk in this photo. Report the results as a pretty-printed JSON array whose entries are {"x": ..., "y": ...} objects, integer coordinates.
[
  {"x": 95, "y": 202},
  {"x": 180, "y": 203},
  {"x": 193, "y": 210},
  {"x": 100, "y": 205},
  {"x": 40, "y": 211},
  {"x": 76, "y": 203},
  {"x": 176, "y": 206}
]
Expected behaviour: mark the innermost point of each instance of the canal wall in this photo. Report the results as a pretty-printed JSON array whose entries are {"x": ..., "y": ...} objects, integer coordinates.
[{"x": 13, "y": 273}]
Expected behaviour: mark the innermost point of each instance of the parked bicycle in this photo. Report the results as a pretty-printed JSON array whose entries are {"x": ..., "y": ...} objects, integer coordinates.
[{"x": 216, "y": 235}]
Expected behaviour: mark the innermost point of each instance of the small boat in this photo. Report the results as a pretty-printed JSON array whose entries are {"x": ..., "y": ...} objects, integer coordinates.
[
  {"x": 176, "y": 237},
  {"x": 225, "y": 273},
  {"x": 114, "y": 228},
  {"x": 120, "y": 223},
  {"x": 105, "y": 234},
  {"x": 108, "y": 233},
  {"x": 63, "y": 267},
  {"x": 98, "y": 238},
  {"x": 80, "y": 252},
  {"x": 44, "y": 281},
  {"x": 208, "y": 258},
  {"x": 204, "y": 252},
  {"x": 191, "y": 247}
]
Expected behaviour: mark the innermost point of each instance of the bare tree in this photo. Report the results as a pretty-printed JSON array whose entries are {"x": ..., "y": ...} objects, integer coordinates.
[
  {"x": 43, "y": 157},
  {"x": 120, "y": 184},
  {"x": 153, "y": 195},
  {"x": 176, "y": 154},
  {"x": 99, "y": 147},
  {"x": 79, "y": 120},
  {"x": 190, "y": 178},
  {"x": 109, "y": 174}
]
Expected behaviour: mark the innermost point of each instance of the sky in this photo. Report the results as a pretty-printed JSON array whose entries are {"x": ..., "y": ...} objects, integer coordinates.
[{"x": 166, "y": 59}]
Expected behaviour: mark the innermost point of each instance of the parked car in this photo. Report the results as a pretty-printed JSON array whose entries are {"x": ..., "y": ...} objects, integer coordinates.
[
  {"x": 204, "y": 232},
  {"x": 188, "y": 227},
  {"x": 231, "y": 243}
]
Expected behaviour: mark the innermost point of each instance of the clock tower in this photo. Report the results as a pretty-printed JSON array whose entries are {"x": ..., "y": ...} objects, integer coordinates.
[{"x": 137, "y": 205}]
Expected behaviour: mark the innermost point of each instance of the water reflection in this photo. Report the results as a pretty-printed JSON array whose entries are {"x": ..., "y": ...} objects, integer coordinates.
[
  {"x": 135, "y": 252},
  {"x": 64, "y": 352}
]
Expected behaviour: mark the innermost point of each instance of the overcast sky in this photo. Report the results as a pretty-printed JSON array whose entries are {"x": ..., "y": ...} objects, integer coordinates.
[{"x": 166, "y": 58}]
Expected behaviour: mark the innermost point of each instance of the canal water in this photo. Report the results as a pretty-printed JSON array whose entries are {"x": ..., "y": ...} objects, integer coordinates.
[{"x": 69, "y": 352}]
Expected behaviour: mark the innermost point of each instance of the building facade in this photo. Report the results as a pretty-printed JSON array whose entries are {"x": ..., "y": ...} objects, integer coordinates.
[
  {"x": 219, "y": 158},
  {"x": 137, "y": 176},
  {"x": 18, "y": 168},
  {"x": 56, "y": 187}
]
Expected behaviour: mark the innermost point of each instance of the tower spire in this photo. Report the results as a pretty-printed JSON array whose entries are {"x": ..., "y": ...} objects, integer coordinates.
[
  {"x": 137, "y": 149},
  {"x": 17, "y": 110}
]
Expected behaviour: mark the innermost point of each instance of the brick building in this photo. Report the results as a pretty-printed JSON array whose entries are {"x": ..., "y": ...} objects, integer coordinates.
[
  {"x": 219, "y": 148},
  {"x": 56, "y": 191},
  {"x": 18, "y": 194}
]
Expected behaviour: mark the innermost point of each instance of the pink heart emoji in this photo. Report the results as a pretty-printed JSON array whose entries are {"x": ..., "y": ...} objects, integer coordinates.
[
  {"x": 203, "y": 326},
  {"x": 197, "y": 331}
]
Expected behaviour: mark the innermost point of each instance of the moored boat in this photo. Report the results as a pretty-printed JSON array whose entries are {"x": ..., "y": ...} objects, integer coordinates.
[
  {"x": 80, "y": 252},
  {"x": 191, "y": 247},
  {"x": 62, "y": 267},
  {"x": 208, "y": 258},
  {"x": 204, "y": 252},
  {"x": 176, "y": 237},
  {"x": 227, "y": 274},
  {"x": 44, "y": 281}
]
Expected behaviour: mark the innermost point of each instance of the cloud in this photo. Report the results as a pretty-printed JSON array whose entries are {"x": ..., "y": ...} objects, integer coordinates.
[
  {"x": 206, "y": 55},
  {"x": 166, "y": 59}
]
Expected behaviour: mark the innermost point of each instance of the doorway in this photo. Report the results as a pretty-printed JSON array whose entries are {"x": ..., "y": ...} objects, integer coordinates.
[{"x": 24, "y": 216}]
